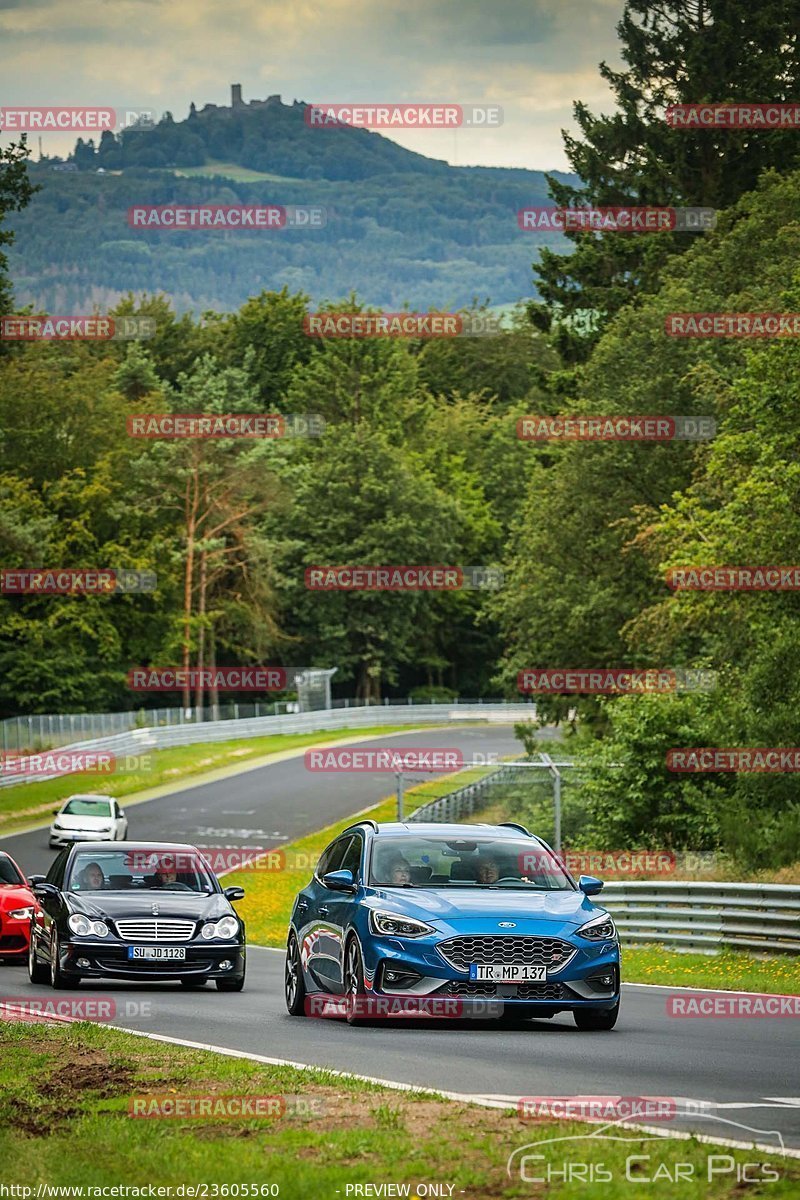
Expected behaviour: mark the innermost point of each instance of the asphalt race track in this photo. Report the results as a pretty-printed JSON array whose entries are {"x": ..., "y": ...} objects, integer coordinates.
[
  {"x": 745, "y": 1068},
  {"x": 270, "y": 805}
]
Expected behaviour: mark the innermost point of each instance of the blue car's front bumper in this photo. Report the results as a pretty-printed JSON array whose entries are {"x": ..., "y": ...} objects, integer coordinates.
[{"x": 588, "y": 974}]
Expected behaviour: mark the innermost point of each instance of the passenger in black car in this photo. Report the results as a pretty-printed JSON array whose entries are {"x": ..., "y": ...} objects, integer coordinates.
[{"x": 92, "y": 877}]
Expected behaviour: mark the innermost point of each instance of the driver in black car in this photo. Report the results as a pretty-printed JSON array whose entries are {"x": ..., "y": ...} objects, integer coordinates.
[{"x": 167, "y": 877}]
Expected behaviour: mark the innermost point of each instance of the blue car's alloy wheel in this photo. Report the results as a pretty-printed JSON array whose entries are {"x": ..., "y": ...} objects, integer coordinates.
[{"x": 354, "y": 983}]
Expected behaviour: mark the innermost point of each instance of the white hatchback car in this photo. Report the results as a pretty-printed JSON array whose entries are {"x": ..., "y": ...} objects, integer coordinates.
[{"x": 88, "y": 819}]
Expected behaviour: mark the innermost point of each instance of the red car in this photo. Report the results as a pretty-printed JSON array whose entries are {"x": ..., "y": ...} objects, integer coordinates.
[{"x": 17, "y": 906}]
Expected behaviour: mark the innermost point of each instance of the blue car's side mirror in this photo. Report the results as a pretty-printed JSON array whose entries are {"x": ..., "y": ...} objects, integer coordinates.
[
  {"x": 339, "y": 881},
  {"x": 589, "y": 885}
]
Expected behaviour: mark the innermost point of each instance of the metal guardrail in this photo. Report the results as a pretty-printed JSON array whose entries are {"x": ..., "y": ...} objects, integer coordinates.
[
  {"x": 31, "y": 732},
  {"x": 707, "y": 916},
  {"x": 141, "y": 741},
  {"x": 704, "y": 917}
]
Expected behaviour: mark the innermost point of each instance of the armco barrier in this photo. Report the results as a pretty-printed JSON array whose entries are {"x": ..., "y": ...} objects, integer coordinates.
[
  {"x": 707, "y": 916},
  {"x": 141, "y": 741}
]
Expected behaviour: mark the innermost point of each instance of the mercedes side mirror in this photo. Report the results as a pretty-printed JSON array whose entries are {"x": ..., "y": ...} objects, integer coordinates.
[{"x": 234, "y": 893}]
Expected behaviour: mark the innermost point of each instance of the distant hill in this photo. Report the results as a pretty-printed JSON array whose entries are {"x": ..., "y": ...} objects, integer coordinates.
[{"x": 400, "y": 228}]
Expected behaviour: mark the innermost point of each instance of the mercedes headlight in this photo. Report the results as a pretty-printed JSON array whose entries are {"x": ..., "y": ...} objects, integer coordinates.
[
  {"x": 81, "y": 925},
  {"x": 227, "y": 927},
  {"x": 599, "y": 929},
  {"x": 391, "y": 925}
]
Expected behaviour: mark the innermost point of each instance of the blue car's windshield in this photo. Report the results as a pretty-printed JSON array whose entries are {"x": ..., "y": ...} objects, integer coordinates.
[{"x": 443, "y": 862}]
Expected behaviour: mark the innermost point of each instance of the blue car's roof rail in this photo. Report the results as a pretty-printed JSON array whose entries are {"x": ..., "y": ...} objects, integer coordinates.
[
  {"x": 515, "y": 825},
  {"x": 367, "y": 821}
]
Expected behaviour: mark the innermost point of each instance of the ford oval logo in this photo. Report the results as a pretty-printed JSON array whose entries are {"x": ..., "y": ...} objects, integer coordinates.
[{"x": 506, "y": 924}]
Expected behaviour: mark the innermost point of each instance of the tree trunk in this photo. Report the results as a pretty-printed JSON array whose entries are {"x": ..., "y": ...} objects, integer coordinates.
[
  {"x": 201, "y": 634},
  {"x": 190, "y": 515}
]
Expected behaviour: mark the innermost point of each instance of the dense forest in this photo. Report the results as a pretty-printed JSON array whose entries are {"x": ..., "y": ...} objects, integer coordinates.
[{"x": 419, "y": 462}]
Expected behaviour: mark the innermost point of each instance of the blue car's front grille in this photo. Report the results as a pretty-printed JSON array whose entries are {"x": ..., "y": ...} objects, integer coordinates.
[
  {"x": 490, "y": 950},
  {"x": 524, "y": 991}
]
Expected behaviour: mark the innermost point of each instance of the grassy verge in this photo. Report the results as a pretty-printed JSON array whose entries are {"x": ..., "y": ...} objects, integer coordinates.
[
  {"x": 65, "y": 1095},
  {"x": 728, "y": 971},
  {"x": 26, "y": 803},
  {"x": 269, "y": 894}
]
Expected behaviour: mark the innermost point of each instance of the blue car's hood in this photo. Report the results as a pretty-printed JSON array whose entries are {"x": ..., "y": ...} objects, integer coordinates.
[{"x": 457, "y": 906}]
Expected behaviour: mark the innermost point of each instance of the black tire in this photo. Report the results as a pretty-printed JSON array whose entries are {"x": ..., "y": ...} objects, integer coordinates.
[
  {"x": 354, "y": 982},
  {"x": 37, "y": 971},
  {"x": 595, "y": 1019},
  {"x": 193, "y": 983},
  {"x": 58, "y": 979},
  {"x": 294, "y": 986},
  {"x": 231, "y": 985}
]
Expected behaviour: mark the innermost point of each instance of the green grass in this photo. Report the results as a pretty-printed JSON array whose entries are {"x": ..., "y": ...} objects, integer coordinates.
[
  {"x": 728, "y": 971},
  {"x": 65, "y": 1094},
  {"x": 29, "y": 803},
  {"x": 225, "y": 170}
]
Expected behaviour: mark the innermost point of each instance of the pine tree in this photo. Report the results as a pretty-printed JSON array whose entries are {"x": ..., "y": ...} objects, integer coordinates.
[{"x": 677, "y": 52}]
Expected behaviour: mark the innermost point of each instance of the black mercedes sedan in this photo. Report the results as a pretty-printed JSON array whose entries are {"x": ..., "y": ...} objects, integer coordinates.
[{"x": 135, "y": 911}]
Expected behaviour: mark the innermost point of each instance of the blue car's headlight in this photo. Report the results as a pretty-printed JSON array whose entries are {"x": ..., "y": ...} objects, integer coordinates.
[
  {"x": 599, "y": 929},
  {"x": 388, "y": 924}
]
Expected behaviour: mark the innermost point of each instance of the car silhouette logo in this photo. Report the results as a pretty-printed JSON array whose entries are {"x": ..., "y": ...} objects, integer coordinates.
[{"x": 506, "y": 924}]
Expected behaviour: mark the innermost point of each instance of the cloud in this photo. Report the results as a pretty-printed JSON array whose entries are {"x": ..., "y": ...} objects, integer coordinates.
[{"x": 535, "y": 57}]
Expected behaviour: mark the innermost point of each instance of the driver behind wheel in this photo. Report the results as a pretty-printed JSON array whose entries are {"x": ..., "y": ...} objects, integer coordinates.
[{"x": 488, "y": 869}]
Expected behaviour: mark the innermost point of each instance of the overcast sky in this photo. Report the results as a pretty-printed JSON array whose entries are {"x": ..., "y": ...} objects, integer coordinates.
[{"x": 533, "y": 57}]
